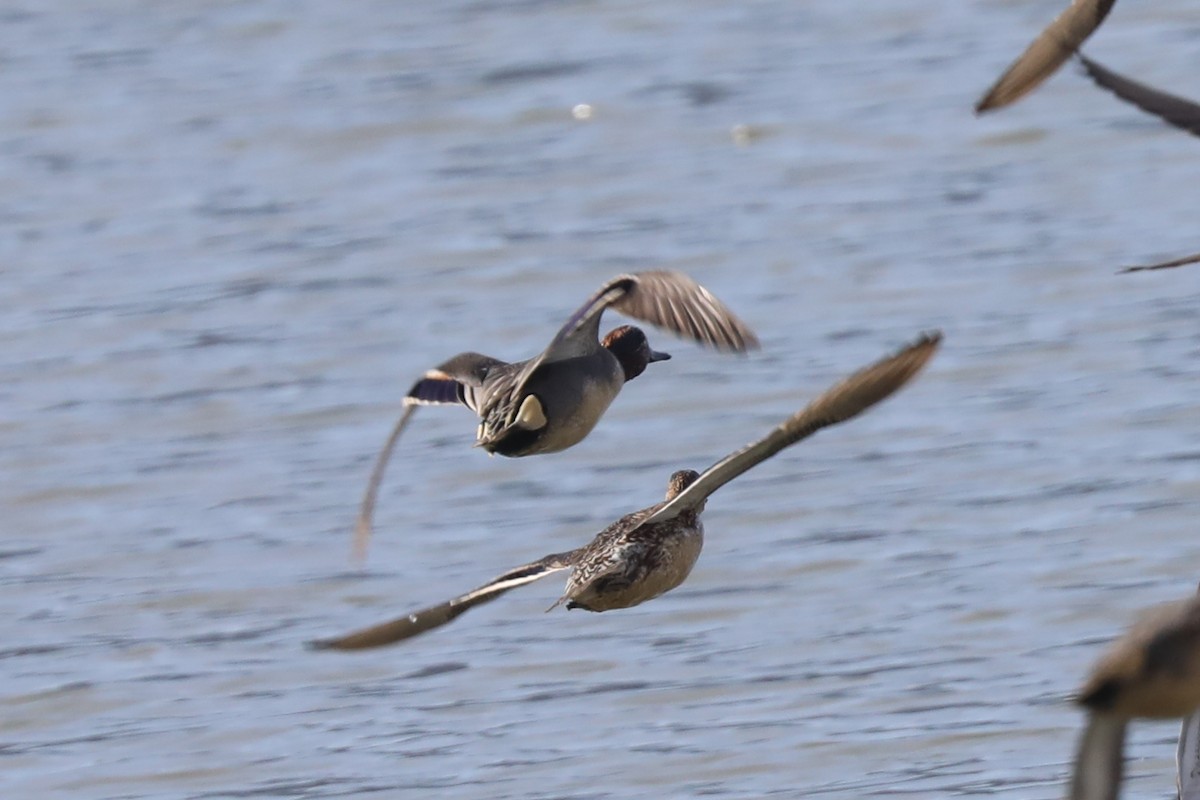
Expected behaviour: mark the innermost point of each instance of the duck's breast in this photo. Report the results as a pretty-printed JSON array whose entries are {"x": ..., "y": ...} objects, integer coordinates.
[
  {"x": 575, "y": 393},
  {"x": 649, "y": 562}
]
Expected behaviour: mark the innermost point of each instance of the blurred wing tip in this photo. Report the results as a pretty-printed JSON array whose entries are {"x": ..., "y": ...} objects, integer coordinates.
[
  {"x": 1003, "y": 92},
  {"x": 985, "y": 104},
  {"x": 928, "y": 341},
  {"x": 915, "y": 356},
  {"x": 321, "y": 644},
  {"x": 1176, "y": 262},
  {"x": 362, "y": 538}
]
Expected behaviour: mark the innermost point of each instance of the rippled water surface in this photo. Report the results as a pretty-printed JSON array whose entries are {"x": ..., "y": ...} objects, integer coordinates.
[{"x": 233, "y": 233}]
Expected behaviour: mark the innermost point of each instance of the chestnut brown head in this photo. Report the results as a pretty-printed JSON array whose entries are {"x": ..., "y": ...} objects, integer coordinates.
[
  {"x": 680, "y": 481},
  {"x": 632, "y": 350}
]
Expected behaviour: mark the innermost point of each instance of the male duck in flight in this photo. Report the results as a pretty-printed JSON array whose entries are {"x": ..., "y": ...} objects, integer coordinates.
[{"x": 552, "y": 401}]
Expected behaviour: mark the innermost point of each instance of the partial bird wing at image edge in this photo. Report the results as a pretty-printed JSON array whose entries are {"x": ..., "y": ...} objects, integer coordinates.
[{"x": 844, "y": 400}]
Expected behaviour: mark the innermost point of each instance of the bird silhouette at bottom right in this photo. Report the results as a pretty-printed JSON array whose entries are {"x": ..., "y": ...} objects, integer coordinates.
[{"x": 1152, "y": 672}]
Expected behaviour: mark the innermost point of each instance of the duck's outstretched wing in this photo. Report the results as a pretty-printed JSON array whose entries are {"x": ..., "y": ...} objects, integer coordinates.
[
  {"x": 459, "y": 381},
  {"x": 1047, "y": 53},
  {"x": 366, "y": 511},
  {"x": 667, "y": 299},
  {"x": 432, "y": 617},
  {"x": 1100, "y": 759},
  {"x": 839, "y": 403},
  {"x": 1172, "y": 109},
  {"x": 1175, "y": 262}
]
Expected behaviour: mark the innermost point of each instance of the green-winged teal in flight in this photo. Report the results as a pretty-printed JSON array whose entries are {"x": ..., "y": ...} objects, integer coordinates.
[
  {"x": 552, "y": 401},
  {"x": 649, "y": 552}
]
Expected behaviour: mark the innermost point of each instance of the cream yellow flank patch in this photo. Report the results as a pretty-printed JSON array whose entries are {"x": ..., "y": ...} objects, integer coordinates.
[{"x": 531, "y": 417}]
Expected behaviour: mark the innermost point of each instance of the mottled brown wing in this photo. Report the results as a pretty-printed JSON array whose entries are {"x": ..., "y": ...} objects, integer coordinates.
[
  {"x": 674, "y": 301},
  {"x": 1175, "y": 110},
  {"x": 427, "y": 619},
  {"x": 366, "y": 511},
  {"x": 667, "y": 299},
  {"x": 839, "y": 403},
  {"x": 1047, "y": 53}
]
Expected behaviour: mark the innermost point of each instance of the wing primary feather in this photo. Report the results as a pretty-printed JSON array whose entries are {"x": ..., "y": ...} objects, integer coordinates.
[
  {"x": 366, "y": 512},
  {"x": 1047, "y": 53},
  {"x": 1176, "y": 262},
  {"x": 837, "y": 404},
  {"x": 1172, "y": 109},
  {"x": 674, "y": 301},
  {"x": 426, "y": 619},
  {"x": 436, "y": 391},
  {"x": 455, "y": 382}
]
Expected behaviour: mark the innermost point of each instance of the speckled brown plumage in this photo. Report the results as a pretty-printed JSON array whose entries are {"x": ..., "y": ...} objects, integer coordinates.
[{"x": 630, "y": 562}]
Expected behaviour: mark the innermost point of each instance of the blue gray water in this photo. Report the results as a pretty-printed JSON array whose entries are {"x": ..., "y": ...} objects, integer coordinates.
[{"x": 231, "y": 234}]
